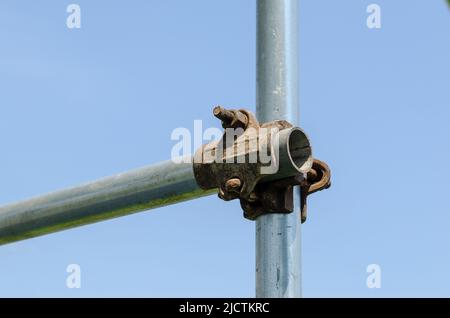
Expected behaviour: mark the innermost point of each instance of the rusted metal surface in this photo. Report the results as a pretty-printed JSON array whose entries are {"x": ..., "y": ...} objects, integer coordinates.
[
  {"x": 214, "y": 163},
  {"x": 227, "y": 166},
  {"x": 277, "y": 197},
  {"x": 318, "y": 178},
  {"x": 231, "y": 118}
]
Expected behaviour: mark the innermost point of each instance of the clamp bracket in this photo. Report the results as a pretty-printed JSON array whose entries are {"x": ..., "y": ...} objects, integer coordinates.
[{"x": 259, "y": 164}]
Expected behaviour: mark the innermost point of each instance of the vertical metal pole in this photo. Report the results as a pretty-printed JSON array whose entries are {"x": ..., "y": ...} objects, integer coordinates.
[{"x": 278, "y": 240}]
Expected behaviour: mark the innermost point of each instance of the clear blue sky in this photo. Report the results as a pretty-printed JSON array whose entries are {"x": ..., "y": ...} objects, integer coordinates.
[{"x": 76, "y": 105}]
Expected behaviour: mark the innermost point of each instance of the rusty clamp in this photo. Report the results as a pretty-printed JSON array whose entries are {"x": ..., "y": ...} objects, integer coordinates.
[{"x": 259, "y": 164}]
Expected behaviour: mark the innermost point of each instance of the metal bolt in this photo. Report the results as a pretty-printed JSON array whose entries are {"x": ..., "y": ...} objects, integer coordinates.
[
  {"x": 230, "y": 118},
  {"x": 224, "y": 115},
  {"x": 233, "y": 185}
]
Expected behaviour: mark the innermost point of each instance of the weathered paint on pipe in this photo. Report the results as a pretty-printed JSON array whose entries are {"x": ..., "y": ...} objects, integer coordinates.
[
  {"x": 137, "y": 190},
  {"x": 278, "y": 245}
]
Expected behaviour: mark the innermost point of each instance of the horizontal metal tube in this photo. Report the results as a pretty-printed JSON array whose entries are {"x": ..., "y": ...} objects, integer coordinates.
[{"x": 137, "y": 190}]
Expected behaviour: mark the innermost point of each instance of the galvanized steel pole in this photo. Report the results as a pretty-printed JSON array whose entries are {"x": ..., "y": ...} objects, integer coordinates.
[
  {"x": 133, "y": 191},
  {"x": 278, "y": 240}
]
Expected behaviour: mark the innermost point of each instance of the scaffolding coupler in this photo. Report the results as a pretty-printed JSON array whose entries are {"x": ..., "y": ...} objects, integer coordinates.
[{"x": 260, "y": 164}]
